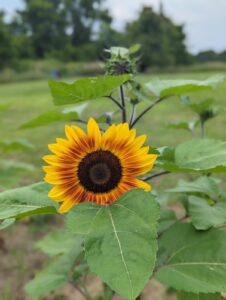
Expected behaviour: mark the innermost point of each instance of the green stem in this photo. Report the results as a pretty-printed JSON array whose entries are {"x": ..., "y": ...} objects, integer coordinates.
[
  {"x": 202, "y": 124},
  {"x": 116, "y": 102},
  {"x": 156, "y": 175},
  {"x": 81, "y": 291},
  {"x": 133, "y": 113},
  {"x": 123, "y": 104},
  {"x": 146, "y": 110}
]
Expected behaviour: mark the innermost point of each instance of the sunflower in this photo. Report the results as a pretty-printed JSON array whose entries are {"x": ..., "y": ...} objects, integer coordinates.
[{"x": 95, "y": 167}]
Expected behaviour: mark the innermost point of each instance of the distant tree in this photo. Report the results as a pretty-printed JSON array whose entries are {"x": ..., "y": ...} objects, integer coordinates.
[
  {"x": 60, "y": 27},
  {"x": 7, "y": 47},
  {"x": 44, "y": 22},
  {"x": 163, "y": 42},
  {"x": 82, "y": 17},
  {"x": 210, "y": 56},
  {"x": 205, "y": 56},
  {"x": 222, "y": 56}
]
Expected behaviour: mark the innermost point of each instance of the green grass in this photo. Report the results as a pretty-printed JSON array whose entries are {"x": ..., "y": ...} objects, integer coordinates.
[{"x": 28, "y": 99}]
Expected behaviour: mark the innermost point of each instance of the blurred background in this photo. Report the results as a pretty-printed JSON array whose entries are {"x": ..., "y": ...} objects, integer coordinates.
[
  {"x": 43, "y": 39},
  {"x": 38, "y": 37}
]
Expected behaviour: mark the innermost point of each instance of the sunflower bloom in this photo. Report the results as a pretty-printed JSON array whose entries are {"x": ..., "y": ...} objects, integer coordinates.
[{"x": 95, "y": 167}]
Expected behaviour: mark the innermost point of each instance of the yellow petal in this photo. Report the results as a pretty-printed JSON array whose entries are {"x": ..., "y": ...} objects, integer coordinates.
[
  {"x": 143, "y": 185},
  {"x": 66, "y": 206},
  {"x": 93, "y": 134}
]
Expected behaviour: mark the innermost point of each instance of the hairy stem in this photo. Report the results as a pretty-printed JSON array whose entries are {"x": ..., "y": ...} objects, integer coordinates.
[
  {"x": 156, "y": 175},
  {"x": 116, "y": 102},
  {"x": 202, "y": 124},
  {"x": 123, "y": 104},
  {"x": 146, "y": 110},
  {"x": 81, "y": 291},
  {"x": 133, "y": 113}
]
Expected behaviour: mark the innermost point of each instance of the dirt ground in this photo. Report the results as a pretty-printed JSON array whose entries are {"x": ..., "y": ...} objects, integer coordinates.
[{"x": 19, "y": 261}]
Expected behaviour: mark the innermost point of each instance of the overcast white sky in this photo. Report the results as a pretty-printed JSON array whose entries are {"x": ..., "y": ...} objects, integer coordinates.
[{"x": 205, "y": 20}]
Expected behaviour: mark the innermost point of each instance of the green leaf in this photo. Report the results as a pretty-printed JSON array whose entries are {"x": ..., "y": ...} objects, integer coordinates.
[
  {"x": 167, "y": 219},
  {"x": 203, "y": 185},
  {"x": 118, "y": 51},
  {"x": 6, "y": 223},
  {"x": 85, "y": 89},
  {"x": 26, "y": 201},
  {"x": 56, "y": 242},
  {"x": 133, "y": 49},
  {"x": 80, "y": 218},
  {"x": 166, "y": 88},
  {"x": 17, "y": 144},
  {"x": 51, "y": 117},
  {"x": 10, "y": 171},
  {"x": 192, "y": 261},
  {"x": 190, "y": 296},
  {"x": 190, "y": 126},
  {"x": 166, "y": 159},
  {"x": 202, "y": 155},
  {"x": 121, "y": 244},
  {"x": 205, "y": 215},
  {"x": 201, "y": 106},
  {"x": 56, "y": 274}
]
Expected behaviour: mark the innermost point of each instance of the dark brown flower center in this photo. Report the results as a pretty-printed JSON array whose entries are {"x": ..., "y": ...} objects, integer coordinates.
[{"x": 100, "y": 171}]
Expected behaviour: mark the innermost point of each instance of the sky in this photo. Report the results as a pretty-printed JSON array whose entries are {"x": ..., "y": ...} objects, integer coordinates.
[{"x": 204, "y": 20}]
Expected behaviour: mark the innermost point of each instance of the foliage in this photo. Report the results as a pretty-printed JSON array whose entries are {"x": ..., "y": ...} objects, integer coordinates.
[
  {"x": 7, "y": 50},
  {"x": 70, "y": 30},
  {"x": 119, "y": 242},
  {"x": 119, "y": 229},
  {"x": 193, "y": 256},
  {"x": 163, "y": 42},
  {"x": 57, "y": 273}
]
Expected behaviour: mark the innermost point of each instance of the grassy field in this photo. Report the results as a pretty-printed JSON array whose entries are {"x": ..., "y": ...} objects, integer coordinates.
[{"x": 27, "y": 100}]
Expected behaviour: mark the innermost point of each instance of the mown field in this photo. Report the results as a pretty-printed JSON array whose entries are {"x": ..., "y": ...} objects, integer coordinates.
[{"x": 26, "y": 100}]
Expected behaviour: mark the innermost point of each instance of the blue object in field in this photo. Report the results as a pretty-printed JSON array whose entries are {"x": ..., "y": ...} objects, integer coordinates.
[{"x": 55, "y": 74}]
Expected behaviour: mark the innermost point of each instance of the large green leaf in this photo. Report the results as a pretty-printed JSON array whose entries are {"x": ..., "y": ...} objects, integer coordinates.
[
  {"x": 166, "y": 159},
  {"x": 57, "y": 273},
  {"x": 192, "y": 261},
  {"x": 167, "y": 219},
  {"x": 51, "y": 117},
  {"x": 189, "y": 296},
  {"x": 203, "y": 185},
  {"x": 10, "y": 172},
  {"x": 121, "y": 244},
  {"x": 202, "y": 155},
  {"x": 198, "y": 155},
  {"x": 113, "y": 234},
  {"x": 6, "y": 223},
  {"x": 79, "y": 220},
  {"x": 57, "y": 242},
  {"x": 204, "y": 214},
  {"x": 85, "y": 89},
  {"x": 26, "y": 201},
  {"x": 165, "y": 88}
]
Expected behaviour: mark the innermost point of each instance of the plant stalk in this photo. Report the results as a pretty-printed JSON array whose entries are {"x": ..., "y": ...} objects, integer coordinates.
[
  {"x": 146, "y": 110},
  {"x": 116, "y": 102},
  {"x": 156, "y": 175},
  {"x": 133, "y": 113},
  {"x": 123, "y": 104}
]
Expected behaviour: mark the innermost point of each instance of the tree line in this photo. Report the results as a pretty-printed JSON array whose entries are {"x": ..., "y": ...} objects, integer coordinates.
[{"x": 79, "y": 30}]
